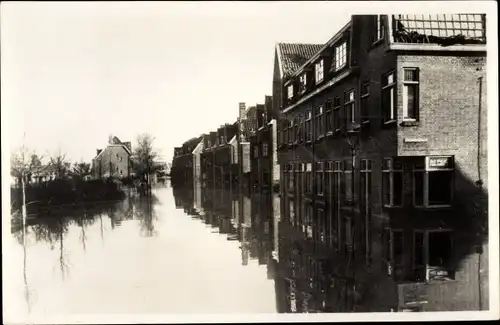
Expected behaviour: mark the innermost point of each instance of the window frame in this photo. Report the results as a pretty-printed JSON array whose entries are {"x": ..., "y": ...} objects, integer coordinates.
[
  {"x": 380, "y": 29},
  {"x": 265, "y": 149},
  {"x": 320, "y": 172},
  {"x": 391, "y": 171},
  {"x": 391, "y": 88},
  {"x": 350, "y": 106},
  {"x": 340, "y": 53},
  {"x": 319, "y": 123},
  {"x": 336, "y": 114},
  {"x": 303, "y": 83},
  {"x": 319, "y": 71},
  {"x": 290, "y": 91},
  {"x": 308, "y": 128},
  {"x": 426, "y": 254},
  {"x": 411, "y": 83},
  {"x": 365, "y": 200},
  {"x": 426, "y": 170},
  {"x": 364, "y": 98},
  {"x": 337, "y": 193}
]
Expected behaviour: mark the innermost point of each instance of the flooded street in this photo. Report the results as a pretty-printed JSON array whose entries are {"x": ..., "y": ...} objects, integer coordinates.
[{"x": 138, "y": 256}]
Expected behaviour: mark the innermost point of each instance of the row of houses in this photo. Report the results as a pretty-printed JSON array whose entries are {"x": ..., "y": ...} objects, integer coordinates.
[
  {"x": 242, "y": 154},
  {"x": 378, "y": 139}
]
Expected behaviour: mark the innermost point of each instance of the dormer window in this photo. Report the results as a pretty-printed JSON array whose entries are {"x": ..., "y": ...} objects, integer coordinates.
[
  {"x": 290, "y": 92},
  {"x": 340, "y": 56},
  {"x": 319, "y": 71},
  {"x": 303, "y": 83}
]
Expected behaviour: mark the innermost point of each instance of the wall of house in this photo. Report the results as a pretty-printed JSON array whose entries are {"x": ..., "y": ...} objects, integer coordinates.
[{"x": 115, "y": 158}]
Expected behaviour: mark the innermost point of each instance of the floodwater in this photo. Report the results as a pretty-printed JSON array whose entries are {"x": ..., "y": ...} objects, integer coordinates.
[{"x": 138, "y": 256}]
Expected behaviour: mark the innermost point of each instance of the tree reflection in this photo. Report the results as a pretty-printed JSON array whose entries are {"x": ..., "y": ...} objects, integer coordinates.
[{"x": 146, "y": 213}]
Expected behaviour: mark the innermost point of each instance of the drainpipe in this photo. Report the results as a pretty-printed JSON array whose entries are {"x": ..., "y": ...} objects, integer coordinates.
[{"x": 480, "y": 183}]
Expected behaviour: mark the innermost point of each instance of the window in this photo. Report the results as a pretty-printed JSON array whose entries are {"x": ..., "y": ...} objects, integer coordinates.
[
  {"x": 349, "y": 107},
  {"x": 319, "y": 178},
  {"x": 348, "y": 181},
  {"x": 433, "y": 181},
  {"x": 329, "y": 190},
  {"x": 300, "y": 131},
  {"x": 255, "y": 152},
  {"x": 365, "y": 110},
  {"x": 410, "y": 93},
  {"x": 292, "y": 212},
  {"x": 329, "y": 117},
  {"x": 393, "y": 252},
  {"x": 392, "y": 182},
  {"x": 348, "y": 234},
  {"x": 319, "y": 122},
  {"x": 308, "y": 127},
  {"x": 308, "y": 178},
  {"x": 308, "y": 221},
  {"x": 380, "y": 28},
  {"x": 296, "y": 130},
  {"x": 290, "y": 92},
  {"x": 265, "y": 149},
  {"x": 290, "y": 177},
  {"x": 322, "y": 234},
  {"x": 336, "y": 114},
  {"x": 366, "y": 184},
  {"x": 389, "y": 97},
  {"x": 340, "y": 56},
  {"x": 319, "y": 70},
  {"x": 337, "y": 183},
  {"x": 433, "y": 255},
  {"x": 303, "y": 83},
  {"x": 121, "y": 172}
]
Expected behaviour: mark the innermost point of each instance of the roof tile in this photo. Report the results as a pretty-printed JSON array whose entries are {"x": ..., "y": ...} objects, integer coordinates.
[{"x": 294, "y": 55}]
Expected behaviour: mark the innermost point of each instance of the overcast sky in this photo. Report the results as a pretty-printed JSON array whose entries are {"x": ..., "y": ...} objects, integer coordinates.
[{"x": 73, "y": 73}]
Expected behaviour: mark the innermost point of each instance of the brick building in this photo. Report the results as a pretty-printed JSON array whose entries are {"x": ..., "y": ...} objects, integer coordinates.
[
  {"x": 382, "y": 147},
  {"x": 186, "y": 164},
  {"x": 112, "y": 161}
]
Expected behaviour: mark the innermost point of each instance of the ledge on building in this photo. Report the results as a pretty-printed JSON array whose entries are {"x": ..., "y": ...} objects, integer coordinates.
[
  {"x": 437, "y": 47},
  {"x": 411, "y": 122}
]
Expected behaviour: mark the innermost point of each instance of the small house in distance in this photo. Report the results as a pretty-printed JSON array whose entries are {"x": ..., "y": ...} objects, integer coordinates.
[{"x": 112, "y": 161}]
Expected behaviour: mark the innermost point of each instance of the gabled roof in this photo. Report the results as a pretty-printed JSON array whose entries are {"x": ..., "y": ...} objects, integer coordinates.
[
  {"x": 292, "y": 56},
  {"x": 114, "y": 145}
]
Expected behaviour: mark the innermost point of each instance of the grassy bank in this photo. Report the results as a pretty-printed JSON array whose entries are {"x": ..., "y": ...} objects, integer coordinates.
[{"x": 65, "y": 192}]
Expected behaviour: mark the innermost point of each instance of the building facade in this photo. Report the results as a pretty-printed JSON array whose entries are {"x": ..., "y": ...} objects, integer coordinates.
[
  {"x": 112, "y": 161},
  {"x": 382, "y": 145}
]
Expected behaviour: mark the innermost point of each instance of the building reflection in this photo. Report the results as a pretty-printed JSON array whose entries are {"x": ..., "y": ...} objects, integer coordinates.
[{"x": 313, "y": 271}]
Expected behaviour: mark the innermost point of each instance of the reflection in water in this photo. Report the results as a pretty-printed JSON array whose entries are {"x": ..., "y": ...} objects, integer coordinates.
[{"x": 69, "y": 270}]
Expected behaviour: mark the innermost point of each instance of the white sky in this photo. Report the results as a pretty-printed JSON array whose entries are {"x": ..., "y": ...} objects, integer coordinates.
[{"x": 75, "y": 73}]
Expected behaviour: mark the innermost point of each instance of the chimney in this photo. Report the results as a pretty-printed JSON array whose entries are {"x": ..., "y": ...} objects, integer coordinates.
[
  {"x": 110, "y": 139},
  {"x": 242, "y": 111},
  {"x": 269, "y": 108}
]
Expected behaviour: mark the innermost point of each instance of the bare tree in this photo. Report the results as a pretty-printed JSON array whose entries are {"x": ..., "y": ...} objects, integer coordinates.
[
  {"x": 80, "y": 170},
  {"x": 60, "y": 165},
  {"x": 144, "y": 156},
  {"x": 24, "y": 165}
]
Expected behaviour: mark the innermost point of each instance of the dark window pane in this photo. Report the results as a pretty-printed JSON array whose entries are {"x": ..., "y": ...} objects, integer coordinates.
[
  {"x": 348, "y": 186},
  {"x": 386, "y": 188},
  {"x": 418, "y": 178},
  {"x": 411, "y": 101},
  {"x": 397, "y": 238},
  {"x": 440, "y": 187},
  {"x": 398, "y": 188}
]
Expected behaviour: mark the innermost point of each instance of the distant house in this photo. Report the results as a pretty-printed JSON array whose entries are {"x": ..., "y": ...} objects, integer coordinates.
[{"x": 112, "y": 161}]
